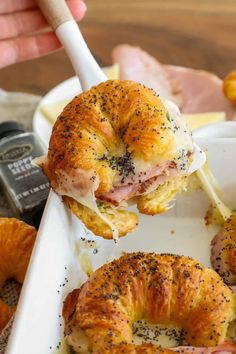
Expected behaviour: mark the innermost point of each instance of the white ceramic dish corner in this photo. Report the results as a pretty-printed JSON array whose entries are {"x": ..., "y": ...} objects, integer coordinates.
[
  {"x": 217, "y": 131},
  {"x": 55, "y": 266}
]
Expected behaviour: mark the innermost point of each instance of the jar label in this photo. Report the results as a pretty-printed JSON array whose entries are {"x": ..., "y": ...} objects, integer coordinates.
[
  {"x": 25, "y": 186},
  {"x": 15, "y": 153}
]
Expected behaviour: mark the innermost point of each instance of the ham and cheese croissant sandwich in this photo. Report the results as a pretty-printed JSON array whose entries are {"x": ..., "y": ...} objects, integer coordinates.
[
  {"x": 113, "y": 143},
  {"x": 161, "y": 289}
]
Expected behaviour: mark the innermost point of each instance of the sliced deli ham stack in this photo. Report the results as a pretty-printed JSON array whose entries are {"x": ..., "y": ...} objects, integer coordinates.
[
  {"x": 194, "y": 91},
  {"x": 136, "y": 64},
  {"x": 201, "y": 90}
]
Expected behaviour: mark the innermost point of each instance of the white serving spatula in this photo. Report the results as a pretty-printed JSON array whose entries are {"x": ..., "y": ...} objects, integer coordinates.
[
  {"x": 62, "y": 22},
  {"x": 67, "y": 30}
]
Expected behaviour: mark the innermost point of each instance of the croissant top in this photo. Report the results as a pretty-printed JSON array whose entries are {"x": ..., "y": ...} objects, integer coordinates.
[{"x": 113, "y": 135}]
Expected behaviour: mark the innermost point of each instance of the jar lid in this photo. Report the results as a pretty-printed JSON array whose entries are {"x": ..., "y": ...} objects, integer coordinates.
[{"x": 10, "y": 128}]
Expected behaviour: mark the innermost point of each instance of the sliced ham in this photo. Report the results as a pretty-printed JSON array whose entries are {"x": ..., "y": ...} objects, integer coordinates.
[
  {"x": 146, "y": 174},
  {"x": 216, "y": 259},
  {"x": 201, "y": 91},
  {"x": 194, "y": 91},
  {"x": 135, "y": 64},
  {"x": 218, "y": 262},
  {"x": 225, "y": 348},
  {"x": 141, "y": 184}
]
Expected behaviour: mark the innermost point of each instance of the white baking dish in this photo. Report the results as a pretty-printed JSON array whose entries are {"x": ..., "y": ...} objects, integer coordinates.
[{"x": 55, "y": 266}]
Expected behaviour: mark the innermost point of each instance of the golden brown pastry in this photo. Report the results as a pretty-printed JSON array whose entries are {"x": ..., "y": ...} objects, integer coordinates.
[
  {"x": 16, "y": 243},
  {"x": 223, "y": 252},
  {"x": 162, "y": 289},
  {"x": 115, "y": 142},
  {"x": 6, "y": 313},
  {"x": 225, "y": 348},
  {"x": 229, "y": 86}
]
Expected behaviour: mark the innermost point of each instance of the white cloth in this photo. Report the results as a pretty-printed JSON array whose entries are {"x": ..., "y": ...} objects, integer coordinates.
[{"x": 18, "y": 107}]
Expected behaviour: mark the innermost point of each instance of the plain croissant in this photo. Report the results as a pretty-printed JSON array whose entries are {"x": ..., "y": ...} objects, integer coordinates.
[{"x": 16, "y": 244}]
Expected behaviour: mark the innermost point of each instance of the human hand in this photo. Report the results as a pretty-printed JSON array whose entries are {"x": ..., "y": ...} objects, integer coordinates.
[{"x": 20, "y": 21}]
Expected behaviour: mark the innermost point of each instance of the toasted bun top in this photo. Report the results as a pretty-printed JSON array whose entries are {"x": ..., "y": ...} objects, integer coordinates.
[{"x": 111, "y": 132}]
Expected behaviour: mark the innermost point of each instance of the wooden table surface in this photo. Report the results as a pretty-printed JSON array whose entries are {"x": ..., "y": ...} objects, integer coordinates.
[{"x": 194, "y": 33}]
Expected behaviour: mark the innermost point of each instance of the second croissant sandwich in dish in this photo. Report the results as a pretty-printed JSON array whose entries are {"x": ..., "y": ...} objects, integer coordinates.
[
  {"x": 158, "y": 288},
  {"x": 115, "y": 143}
]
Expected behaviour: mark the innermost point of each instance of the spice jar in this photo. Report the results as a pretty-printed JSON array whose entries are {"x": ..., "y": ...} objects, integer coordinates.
[{"x": 24, "y": 185}]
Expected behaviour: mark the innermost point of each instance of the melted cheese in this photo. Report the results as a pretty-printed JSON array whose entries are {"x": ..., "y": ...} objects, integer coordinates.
[
  {"x": 166, "y": 336},
  {"x": 39, "y": 161},
  {"x": 183, "y": 140},
  {"x": 78, "y": 341},
  {"x": 81, "y": 187},
  {"x": 83, "y": 258},
  {"x": 85, "y": 263},
  {"x": 64, "y": 348},
  {"x": 90, "y": 202},
  {"x": 231, "y": 332}
]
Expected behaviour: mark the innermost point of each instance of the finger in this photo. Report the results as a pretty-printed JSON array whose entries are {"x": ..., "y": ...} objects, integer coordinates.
[
  {"x": 23, "y": 48},
  {"x": 10, "y": 6},
  {"x": 16, "y": 5},
  {"x": 23, "y": 22}
]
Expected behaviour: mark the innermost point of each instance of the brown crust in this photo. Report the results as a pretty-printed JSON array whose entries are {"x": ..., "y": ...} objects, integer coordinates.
[
  {"x": 69, "y": 305},
  {"x": 227, "y": 347},
  {"x": 142, "y": 349},
  {"x": 16, "y": 244},
  {"x": 164, "y": 289}
]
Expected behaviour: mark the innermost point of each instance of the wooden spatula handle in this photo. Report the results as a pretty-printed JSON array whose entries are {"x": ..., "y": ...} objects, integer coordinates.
[
  {"x": 55, "y": 11},
  {"x": 68, "y": 32}
]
